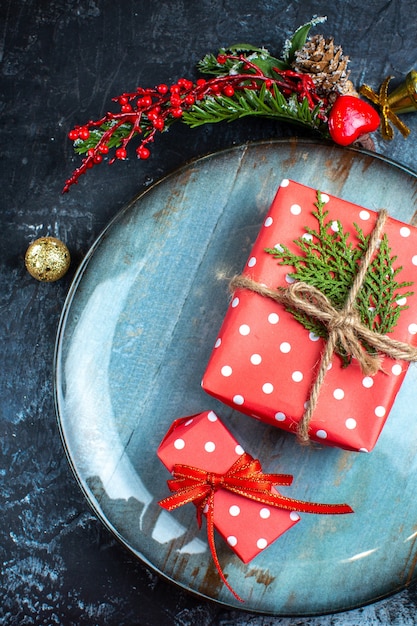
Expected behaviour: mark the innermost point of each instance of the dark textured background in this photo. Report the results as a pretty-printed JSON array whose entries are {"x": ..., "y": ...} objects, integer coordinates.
[{"x": 61, "y": 62}]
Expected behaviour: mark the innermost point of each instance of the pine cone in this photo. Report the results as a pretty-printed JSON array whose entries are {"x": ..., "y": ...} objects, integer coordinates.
[{"x": 326, "y": 65}]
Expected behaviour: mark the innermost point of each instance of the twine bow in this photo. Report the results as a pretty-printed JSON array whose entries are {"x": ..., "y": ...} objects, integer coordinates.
[
  {"x": 244, "y": 478},
  {"x": 387, "y": 114},
  {"x": 344, "y": 326}
]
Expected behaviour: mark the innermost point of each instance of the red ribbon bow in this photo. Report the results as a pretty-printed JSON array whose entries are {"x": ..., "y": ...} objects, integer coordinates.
[{"x": 245, "y": 478}]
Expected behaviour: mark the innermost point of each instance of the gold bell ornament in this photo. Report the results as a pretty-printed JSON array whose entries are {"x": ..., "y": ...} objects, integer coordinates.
[
  {"x": 402, "y": 100},
  {"x": 47, "y": 259}
]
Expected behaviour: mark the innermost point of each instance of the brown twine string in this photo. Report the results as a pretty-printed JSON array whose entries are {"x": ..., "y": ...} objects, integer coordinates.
[{"x": 344, "y": 326}]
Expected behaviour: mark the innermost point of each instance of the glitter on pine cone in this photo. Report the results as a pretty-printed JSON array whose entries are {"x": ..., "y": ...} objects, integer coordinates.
[{"x": 327, "y": 66}]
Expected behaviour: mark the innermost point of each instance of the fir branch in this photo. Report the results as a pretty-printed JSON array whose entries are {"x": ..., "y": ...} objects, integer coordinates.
[
  {"x": 234, "y": 61},
  {"x": 115, "y": 140},
  {"x": 329, "y": 262},
  {"x": 210, "y": 65},
  {"x": 248, "y": 102}
]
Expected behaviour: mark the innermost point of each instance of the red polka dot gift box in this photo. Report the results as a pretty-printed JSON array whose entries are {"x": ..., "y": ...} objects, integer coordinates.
[
  {"x": 203, "y": 441},
  {"x": 211, "y": 469},
  {"x": 304, "y": 344}
]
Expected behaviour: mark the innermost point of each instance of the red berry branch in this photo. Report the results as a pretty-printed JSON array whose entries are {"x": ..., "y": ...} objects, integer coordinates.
[
  {"x": 246, "y": 81},
  {"x": 148, "y": 111}
]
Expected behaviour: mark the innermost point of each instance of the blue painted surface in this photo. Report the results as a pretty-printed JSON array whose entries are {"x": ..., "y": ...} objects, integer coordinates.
[{"x": 137, "y": 331}]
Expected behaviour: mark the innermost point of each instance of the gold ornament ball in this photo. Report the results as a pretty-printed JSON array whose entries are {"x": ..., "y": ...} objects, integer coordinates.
[{"x": 47, "y": 259}]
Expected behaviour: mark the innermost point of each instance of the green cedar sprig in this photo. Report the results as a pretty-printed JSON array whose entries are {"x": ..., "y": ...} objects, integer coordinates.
[{"x": 329, "y": 262}]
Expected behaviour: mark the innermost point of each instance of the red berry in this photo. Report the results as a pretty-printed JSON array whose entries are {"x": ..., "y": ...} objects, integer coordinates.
[
  {"x": 175, "y": 100},
  {"x": 154, "y": 113},
  {"x": 222, "y": 58},
  {"x": 144, "y": 102},
  {"x": 176, "y": 112},
  {"x": 98, "y": 158},
  {"x": 104, "y": 149},
  {"x": 201, "y": 82},
  {"x": 83, "y": 133},
  {"x": 162, "y": 89},
  {"x": 143, "y": 152},
  {"x": 229, "y": 91},
  {"x": 185, "y": 84},
  {"x": 158, "y": 123},
  {"x": 73, "y": 135},
  {"x": 121, "y": 153},
  {"x": 123, "y": 100},
  {"x": 189, "y": 99},
  {"x": 126, "y": 108},
  {"x": 174, "y": 89}
]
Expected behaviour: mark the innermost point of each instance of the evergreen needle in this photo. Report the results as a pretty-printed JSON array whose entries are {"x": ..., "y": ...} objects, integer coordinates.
[{"x": 329, "y": 262}]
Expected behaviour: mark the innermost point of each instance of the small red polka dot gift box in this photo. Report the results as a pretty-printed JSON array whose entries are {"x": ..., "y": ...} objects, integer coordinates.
[
  {"x": 323, "y": 321},
  {"x": 203, "y": 441},
  {"x": 227, "y": 485}
]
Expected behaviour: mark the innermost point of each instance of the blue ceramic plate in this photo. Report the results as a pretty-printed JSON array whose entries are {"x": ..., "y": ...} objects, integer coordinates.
[{"x": 136, "y": 332}]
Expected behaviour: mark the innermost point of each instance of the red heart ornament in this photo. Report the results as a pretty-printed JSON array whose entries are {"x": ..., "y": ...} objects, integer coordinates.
[{"x": 351, "y": 117}]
